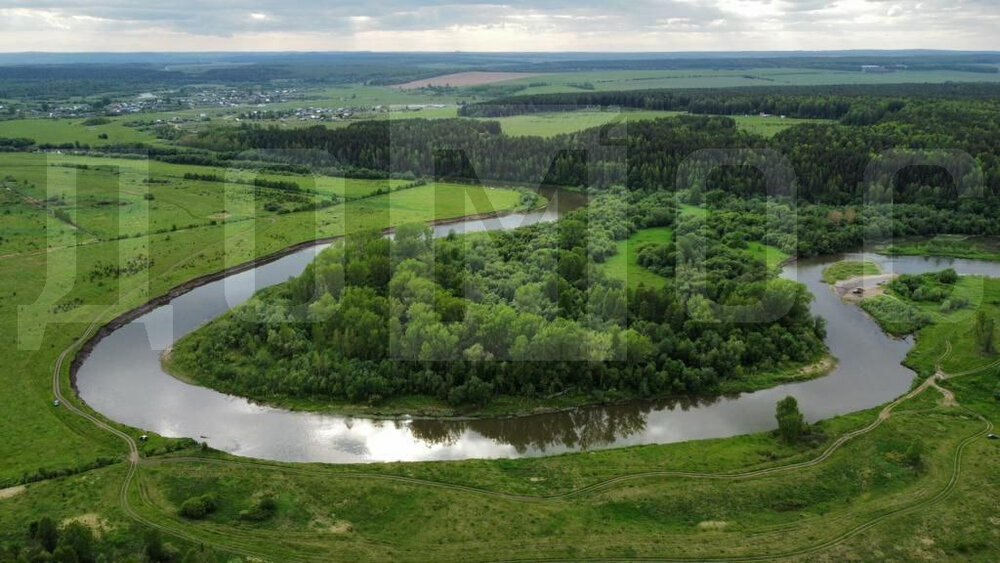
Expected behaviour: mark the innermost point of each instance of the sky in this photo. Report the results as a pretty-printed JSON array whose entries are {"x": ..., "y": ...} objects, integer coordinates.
[{"x": 511, "y": 25}]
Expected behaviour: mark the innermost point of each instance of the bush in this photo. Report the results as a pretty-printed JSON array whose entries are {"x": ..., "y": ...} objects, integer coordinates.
[
  {"x": 954, "y": 304},
  {"x": 949, "y": 276},
  {"x": 196, "y": 508},
  {"x": 264, "y": 509},
  {"x": 895, "y": 316}
]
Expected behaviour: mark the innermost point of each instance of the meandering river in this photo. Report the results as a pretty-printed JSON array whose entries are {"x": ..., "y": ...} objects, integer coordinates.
[{"x": 123, "y": 380}]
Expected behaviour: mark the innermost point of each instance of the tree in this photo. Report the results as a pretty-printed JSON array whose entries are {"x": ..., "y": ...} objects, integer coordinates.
[
  {"x": 80, "y": 538},
  {"x": 791, "y": 424},
  {"x": 46, "y": 533},
  {"x": 64, "y": 554},
  {"x": 984, "y": 332},
  {"x": 155, "y": 550}
]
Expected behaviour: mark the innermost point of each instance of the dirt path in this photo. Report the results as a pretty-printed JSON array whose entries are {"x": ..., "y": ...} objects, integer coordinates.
[{"x": 11, "y": 492}]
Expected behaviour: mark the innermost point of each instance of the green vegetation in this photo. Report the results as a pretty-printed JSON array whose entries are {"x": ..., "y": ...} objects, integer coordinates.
[
  {"x": 945, "y": 245},
  {"x": 915, "y": 480},
  {"x": 791, "y": 423},
  {"x": 894, "y": 315},
  {"x": 196, "y": 508},
  {"x": 900, "y": 466},
  {"x": 79, "y": 132},
  {"x": 847, "y": 269},
  {"x": 384, "y": 319},
  {"x": 624, "y": 263},
  {"x": 558, "y": 123}
]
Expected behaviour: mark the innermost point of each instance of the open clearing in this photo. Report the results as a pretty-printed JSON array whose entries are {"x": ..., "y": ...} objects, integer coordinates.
[{"x": 467, "y": 79}]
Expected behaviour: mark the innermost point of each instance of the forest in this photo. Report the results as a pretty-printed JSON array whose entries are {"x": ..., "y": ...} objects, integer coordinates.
[
  {"x": 521, "y": 313},
  {"x": 884, "y": 149}
]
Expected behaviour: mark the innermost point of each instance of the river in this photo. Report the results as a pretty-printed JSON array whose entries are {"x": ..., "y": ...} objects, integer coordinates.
[{"x": 123, "y": 380}]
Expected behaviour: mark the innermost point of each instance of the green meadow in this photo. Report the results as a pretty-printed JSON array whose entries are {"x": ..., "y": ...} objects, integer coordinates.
[
  {"x": 624, "y": 265},
  {"x": 61, "y": 131},
  {"x": 847, "y": 269}
]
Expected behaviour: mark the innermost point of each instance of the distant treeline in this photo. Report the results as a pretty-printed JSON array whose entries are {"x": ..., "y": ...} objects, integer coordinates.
[
  {"x": 831, "y": 162},
  {"x": 827, "y": 102},
  {"x": 844, "y": 61}
]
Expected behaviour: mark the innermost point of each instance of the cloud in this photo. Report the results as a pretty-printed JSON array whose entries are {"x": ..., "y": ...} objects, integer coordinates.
[{"x": 583, "y": 25}]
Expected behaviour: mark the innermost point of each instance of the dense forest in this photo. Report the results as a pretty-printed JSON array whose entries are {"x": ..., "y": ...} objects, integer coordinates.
[
  {"x": 884, "y": 150},
  {"x": 521, "y": 313},
  {"x": 827, "y": 102}
]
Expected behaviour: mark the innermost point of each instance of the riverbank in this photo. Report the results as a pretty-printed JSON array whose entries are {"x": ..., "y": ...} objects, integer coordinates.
[
  {"x": 430, "y": 408},
  {"x": 949, "y": 246}
]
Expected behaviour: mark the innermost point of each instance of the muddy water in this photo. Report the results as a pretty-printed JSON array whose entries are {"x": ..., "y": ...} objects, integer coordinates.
[{"x": 123, "y": 380}]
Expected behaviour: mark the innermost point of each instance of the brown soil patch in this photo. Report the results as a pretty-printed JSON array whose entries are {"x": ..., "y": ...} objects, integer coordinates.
[
  {"x": 91, "y": 520},
  {"x": 11, "y": 491},
  {"x": 823, "y": 366},
  {"x": 467, "y": 79},
  {"x": 862, "y": 287}
]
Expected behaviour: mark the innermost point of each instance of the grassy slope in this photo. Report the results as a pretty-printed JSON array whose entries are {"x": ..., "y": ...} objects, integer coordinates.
[
  {"x": 324, "y": 510},
  {"x": 957, "y": 329}
]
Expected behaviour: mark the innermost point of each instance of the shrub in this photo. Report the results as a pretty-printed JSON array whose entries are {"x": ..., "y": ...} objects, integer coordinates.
[
  {"x": 895, "y": 316},
  {"x": 196, "y": 508},
  {"x": 264, "y": 509},
  {"x": 954, "y": 304},
  {"x": 948, "y": 276}
]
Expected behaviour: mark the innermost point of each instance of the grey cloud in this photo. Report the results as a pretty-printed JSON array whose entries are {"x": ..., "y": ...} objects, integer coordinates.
[{"x": 227, "y": 18}]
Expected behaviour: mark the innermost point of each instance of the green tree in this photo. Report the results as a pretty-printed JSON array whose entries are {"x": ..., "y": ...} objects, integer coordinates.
[
  {"x": 46, "y": 533},
  {"x": 984, "y": 332},
  {"x": 154, "y": 547},
  {"x": 65, "y": 554},
  {"x": 791, "y": 424},
  {"x": 80, "y": 538}
]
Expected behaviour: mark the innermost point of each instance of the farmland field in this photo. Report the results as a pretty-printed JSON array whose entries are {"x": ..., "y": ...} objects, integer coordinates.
[
  {"x": 652, "y": 79},
  {"x": 60, "y": 131},
  {"x": 461, "y": 79}
]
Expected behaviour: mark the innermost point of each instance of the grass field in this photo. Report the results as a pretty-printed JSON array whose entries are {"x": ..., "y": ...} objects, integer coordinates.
[
  {"x": 60, "y": 131},
  {"x": 955, "y": 330},
  {"x": 556, "y": 123},
  {"x": 50, "y": 298},
  {"x": 89, "y": 195},
  {"x": 847, "y": 269},
  {"x": 624, "y": 265}
]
